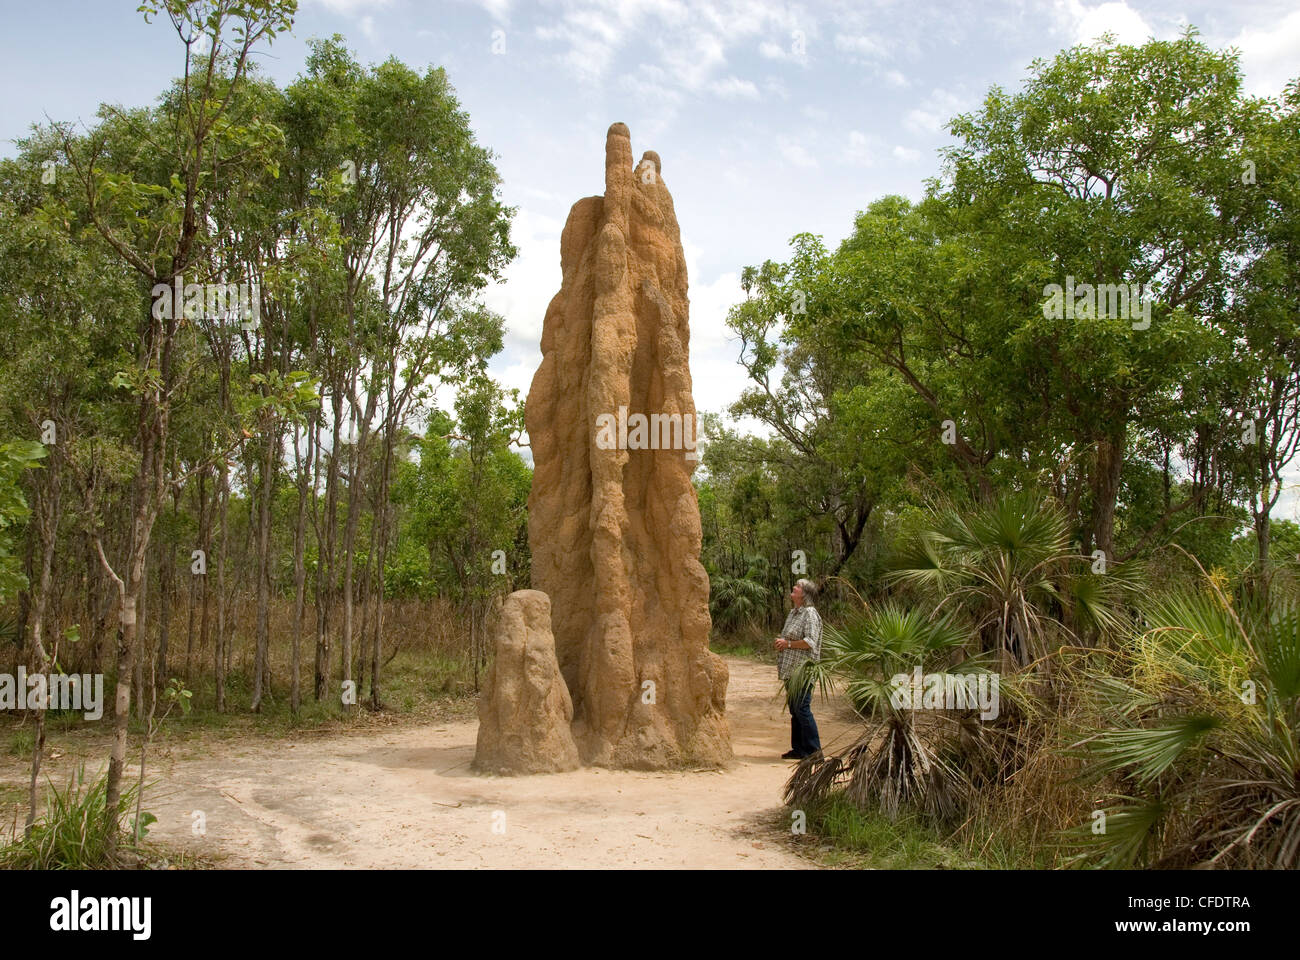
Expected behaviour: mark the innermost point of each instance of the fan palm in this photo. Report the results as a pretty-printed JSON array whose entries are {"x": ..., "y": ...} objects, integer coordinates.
[
  {"x": 1009, "y": 566},
  {"x": 1200, "y": 734},
  {"x": 736, "y": 602}
]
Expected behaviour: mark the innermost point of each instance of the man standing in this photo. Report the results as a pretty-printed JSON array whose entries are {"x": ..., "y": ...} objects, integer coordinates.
[{"x": 800, "y": 640}]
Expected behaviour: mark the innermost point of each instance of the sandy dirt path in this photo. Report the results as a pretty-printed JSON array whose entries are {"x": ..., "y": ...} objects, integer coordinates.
[{"x": 406, "y": 798}]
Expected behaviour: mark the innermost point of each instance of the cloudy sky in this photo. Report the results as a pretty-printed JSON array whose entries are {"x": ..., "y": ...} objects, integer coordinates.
[{"x": 771, "y": 118}]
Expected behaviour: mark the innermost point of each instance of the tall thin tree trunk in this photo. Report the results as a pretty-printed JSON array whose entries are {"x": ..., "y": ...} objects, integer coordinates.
[
  {"x": 355, "y": 471},
  {"x": 325, "y": 596},
  {"x": 129, "y": 592},
  {"x": 367, "y": 588},
  {"x": 192, "y": 609},
  {"x": 198, "y": 581},
  {"x": 356, "y": 474},
  {"x": 260, "y": 666},
  {"x": 299, "y": 566},
  {"x": 137, "y": 675},
  {"x": 218, "y": 651},
  {"x": 381, "y": 523},
  {"x": 165, "y": 579},
  {"x": 48, "y": 525},
  {"x": 90, "y": 599},
  {"x": 25, "y": 595}
]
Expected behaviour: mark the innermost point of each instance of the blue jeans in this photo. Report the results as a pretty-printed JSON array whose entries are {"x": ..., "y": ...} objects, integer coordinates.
[{"x": 804, "y": 738}]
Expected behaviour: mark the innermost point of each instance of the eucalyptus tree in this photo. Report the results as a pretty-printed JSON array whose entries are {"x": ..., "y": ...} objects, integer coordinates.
[
  {"x": 273, "y": 231},
  {"x": 422, "y": 230},
  {"x": 61, "y": 303},
  {"x": 314, "y": 172},
  {"x": 150, "y": 179}
]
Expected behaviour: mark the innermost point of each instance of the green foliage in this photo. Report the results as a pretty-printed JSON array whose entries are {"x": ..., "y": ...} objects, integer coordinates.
[
  {"x": 22, "y": 742},
  {"x": 15, "y": 458},
  {"x": 922, "y": 357},
  {"x": 736, "y": 602},
  {"x": 468, "y": 495}
]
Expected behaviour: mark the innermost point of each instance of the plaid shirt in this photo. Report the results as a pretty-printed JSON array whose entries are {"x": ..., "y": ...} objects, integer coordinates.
[{"x": 803, "y": 623}]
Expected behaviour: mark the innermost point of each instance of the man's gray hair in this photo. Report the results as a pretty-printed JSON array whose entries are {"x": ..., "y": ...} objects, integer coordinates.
[{"x": 809, "y": 591}]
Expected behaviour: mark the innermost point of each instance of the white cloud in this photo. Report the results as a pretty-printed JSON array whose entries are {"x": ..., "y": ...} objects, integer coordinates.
[
  {"x": 795, "y": 155},
  {"x": 895, "y": 79},
  {"x": 595, "y": 22},
  {"x": 734, "y": 88},
  {"x": 519, "y": 375},
  {"x": 717, "y": 378},
  {"x": 1269, "y": 55},
  {"x": 1083, "y": 24},
  {"x": 862, "y": 45},
  {"x": 934, "y": 113},
  {"x": 691, "y": 40},
  {"x": 530, "y": 281},
  {"x": 692, "y": 59},
  {"x": 745, "y": 18},
  {"x": 793, "y": 48},
  {"x": 776, "y": 88},
  {"x": 498, "y": 10},
  {"x": 348, "y": 7},
  {"x": 587, "y": 57},
  {"x": 656, "y": 100},
  {"x": 860, "y": 151},
  {"x": 906, "y": 154}
]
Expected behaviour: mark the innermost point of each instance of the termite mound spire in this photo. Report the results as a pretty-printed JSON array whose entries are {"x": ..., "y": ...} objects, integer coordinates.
[{"x": 614, "y": 527}]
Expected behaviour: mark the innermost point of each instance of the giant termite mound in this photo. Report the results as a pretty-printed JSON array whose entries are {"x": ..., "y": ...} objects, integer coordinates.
[{"x": 614, "y": 528}]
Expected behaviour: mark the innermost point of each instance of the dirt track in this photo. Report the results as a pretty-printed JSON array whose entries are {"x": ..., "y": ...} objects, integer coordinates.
[{"x": 407, "y": 798}]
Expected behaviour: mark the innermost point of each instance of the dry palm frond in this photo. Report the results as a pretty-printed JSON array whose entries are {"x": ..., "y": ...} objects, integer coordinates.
[{"x": 812, "y": 780}]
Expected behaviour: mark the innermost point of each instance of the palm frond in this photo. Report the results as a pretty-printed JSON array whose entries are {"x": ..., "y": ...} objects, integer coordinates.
[{"x": 1146, "y": 752}]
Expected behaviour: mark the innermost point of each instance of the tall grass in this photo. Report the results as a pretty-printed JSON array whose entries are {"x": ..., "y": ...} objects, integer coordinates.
[{"x": 73, "y": 833}]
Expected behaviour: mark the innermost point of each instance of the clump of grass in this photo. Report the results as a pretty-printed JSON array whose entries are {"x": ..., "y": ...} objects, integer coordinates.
[
  {"x": 21, "y": 742},
  {"x": 72, "y": 835},
  {"x": 871, "y": 840}
]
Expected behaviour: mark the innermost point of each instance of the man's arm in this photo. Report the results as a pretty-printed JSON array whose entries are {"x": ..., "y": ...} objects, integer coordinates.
[{"x": 812, "y": 635}]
